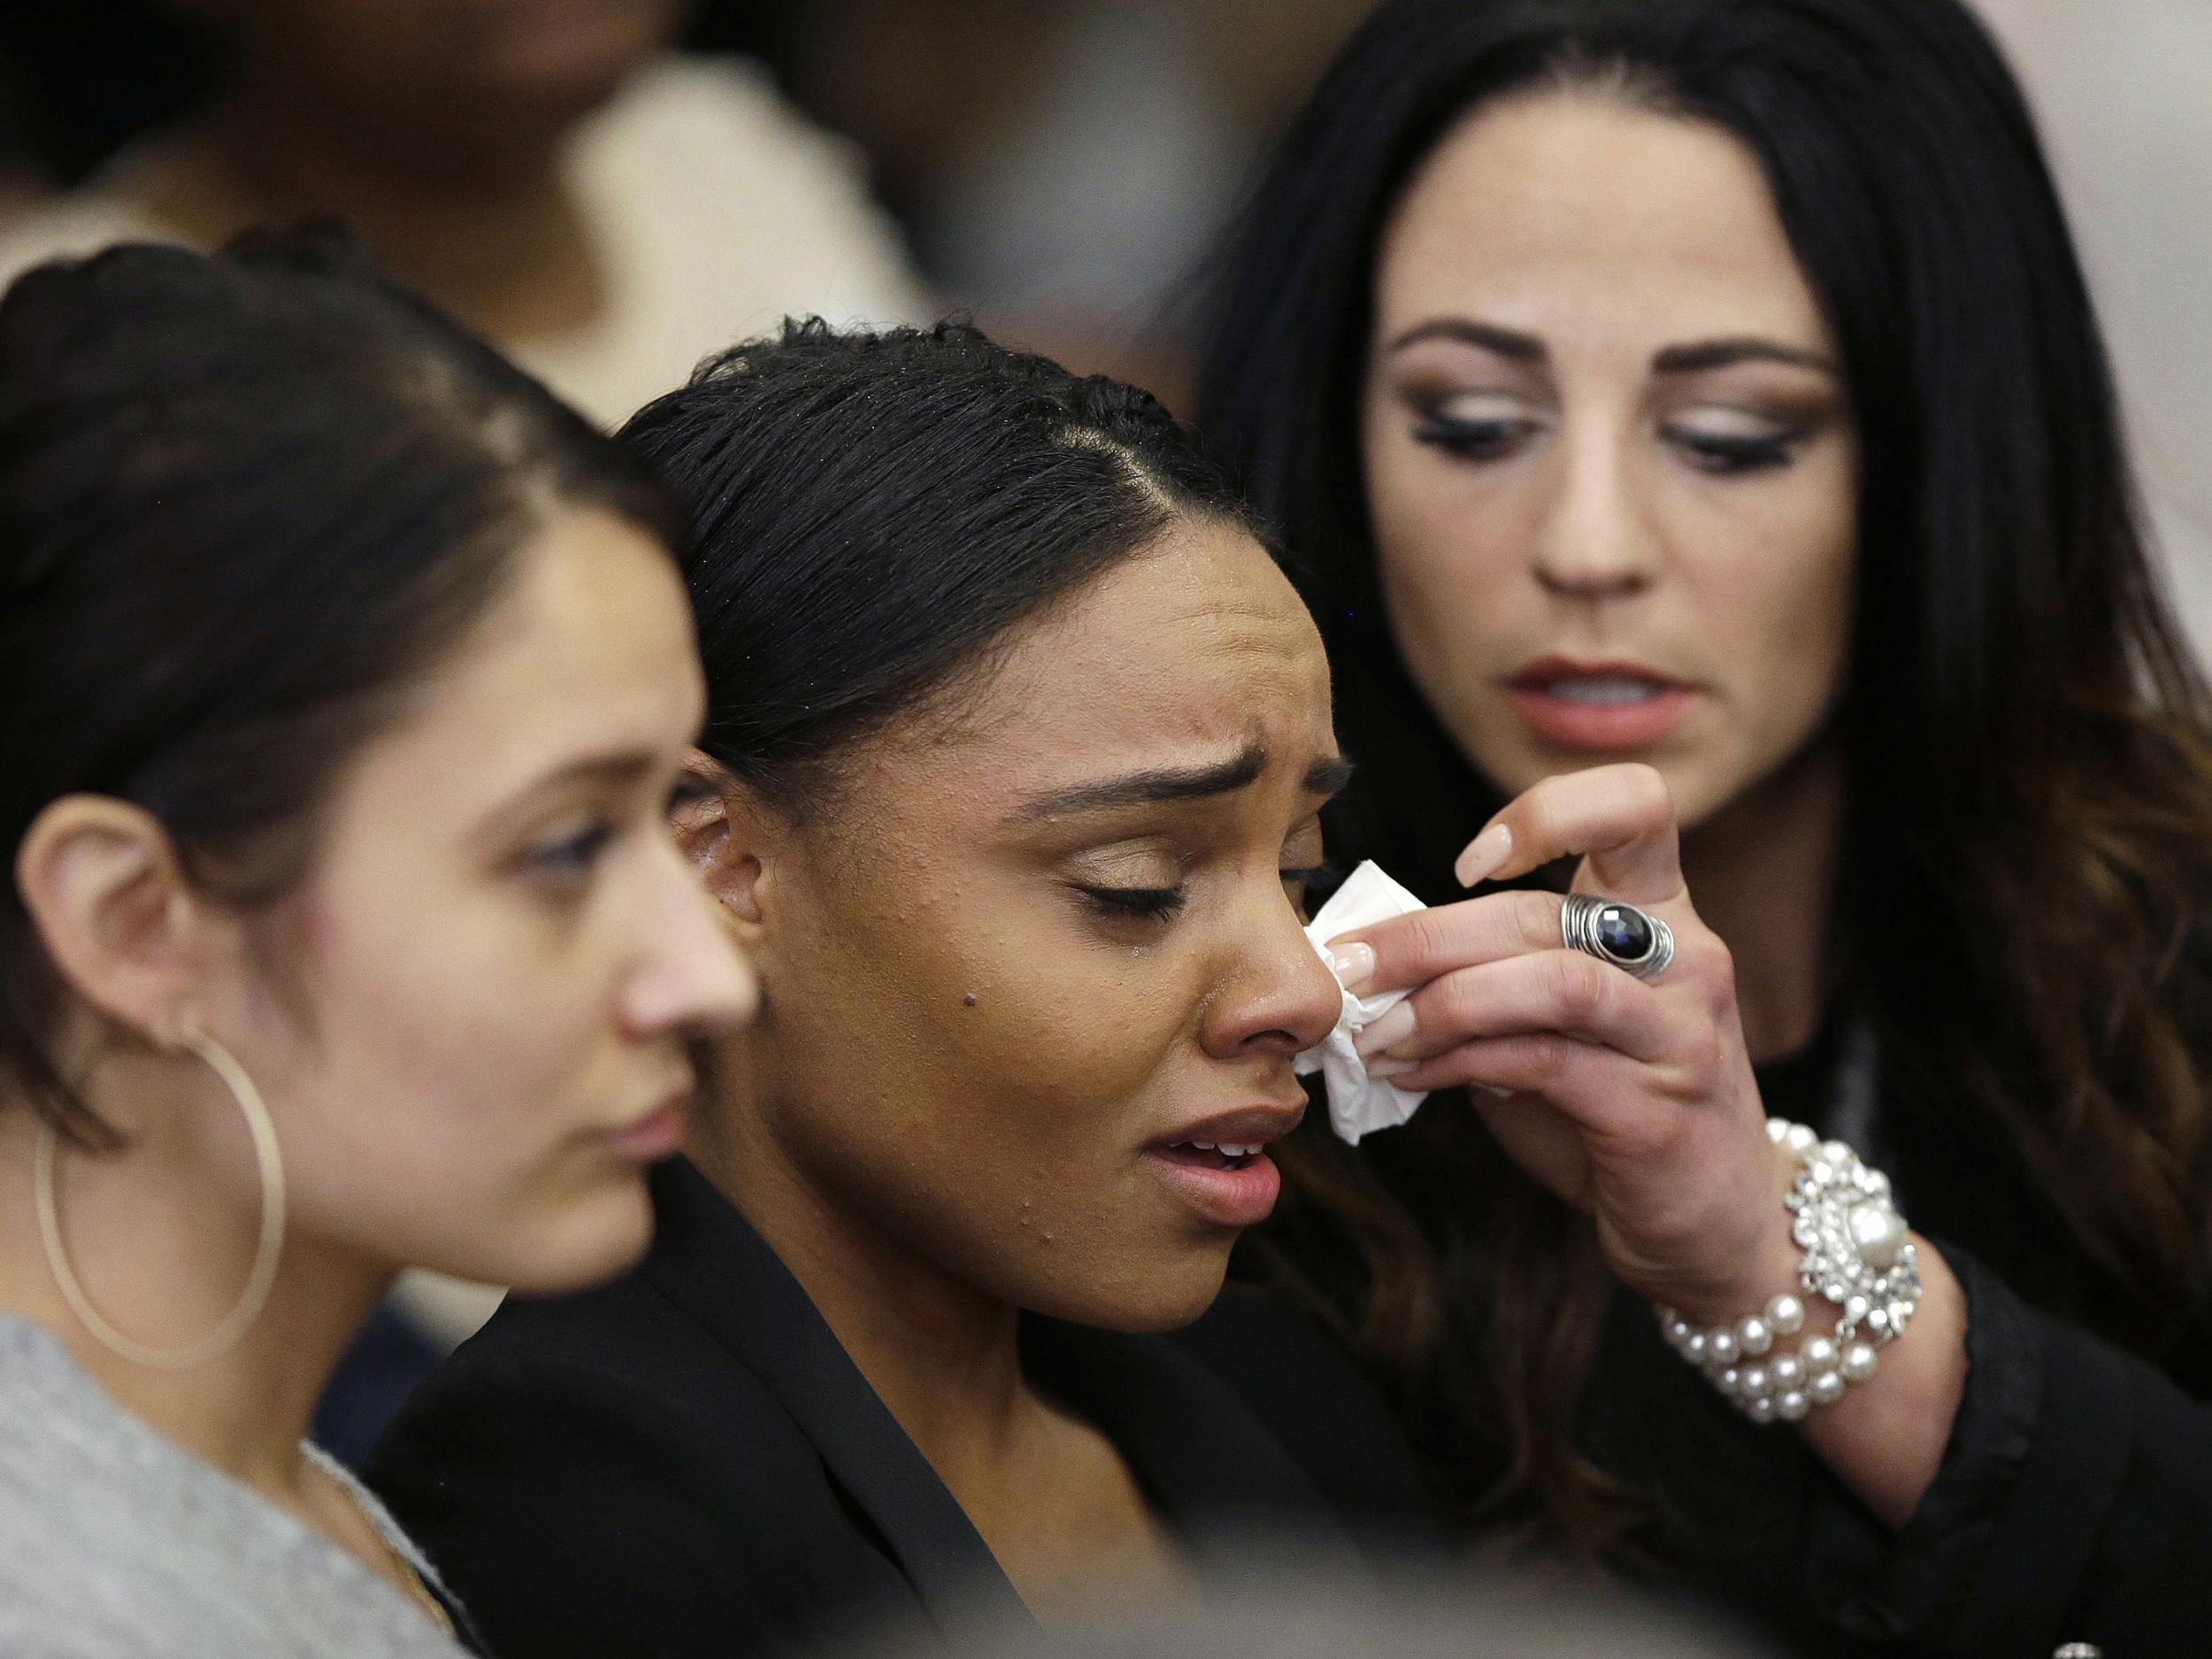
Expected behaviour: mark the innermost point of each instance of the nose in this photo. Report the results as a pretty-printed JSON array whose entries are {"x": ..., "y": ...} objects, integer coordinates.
[
  {"x": 1595, "y": 540},
  {"x": 688, "y": 978},
  {"x": 1277, "y": 997}
]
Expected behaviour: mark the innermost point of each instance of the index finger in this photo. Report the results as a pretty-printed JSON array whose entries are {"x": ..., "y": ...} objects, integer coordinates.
[
  {"x": 1620, "y": 820},
  {"x": 1415, "y": 949}
]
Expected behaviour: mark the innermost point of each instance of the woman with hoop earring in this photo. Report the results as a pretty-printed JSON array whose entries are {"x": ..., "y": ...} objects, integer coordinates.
[{"x": 344, "y": 679}]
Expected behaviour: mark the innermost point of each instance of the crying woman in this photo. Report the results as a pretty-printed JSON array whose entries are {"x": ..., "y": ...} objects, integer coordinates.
[{"x": 1015, "y": 744}]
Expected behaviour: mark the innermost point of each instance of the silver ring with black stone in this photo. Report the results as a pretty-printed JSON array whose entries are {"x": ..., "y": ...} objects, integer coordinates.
[{"x": 1631, "y": 940}]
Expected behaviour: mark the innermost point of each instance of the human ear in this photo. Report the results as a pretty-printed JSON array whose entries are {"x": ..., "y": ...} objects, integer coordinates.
[
  {"x": 115, "y": 913},
  {"x": 722, "y": 830}
]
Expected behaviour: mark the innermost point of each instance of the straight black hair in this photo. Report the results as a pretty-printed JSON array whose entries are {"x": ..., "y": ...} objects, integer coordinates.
[
  {"x": 245, "y": 501},
  {"x": 873, "y": 512},
  {"x": 2028, "y": 817}
]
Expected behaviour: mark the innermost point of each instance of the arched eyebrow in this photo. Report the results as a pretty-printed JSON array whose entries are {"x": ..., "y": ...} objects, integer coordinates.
[
  {"x": 1506, "y": 343},
  {"x": 1162, "y": 785},
  {"x": 1720, "y": 353},
  {"x": 1691, "y": 357}
]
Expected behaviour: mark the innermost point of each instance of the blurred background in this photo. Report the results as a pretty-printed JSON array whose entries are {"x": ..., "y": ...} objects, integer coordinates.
[
  {"x": 614, "y": 188},
  {"x": 1056, "y": 167}
]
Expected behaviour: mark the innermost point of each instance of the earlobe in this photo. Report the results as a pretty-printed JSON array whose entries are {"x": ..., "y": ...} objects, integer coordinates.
[
  {"x": 101, "y": 883},
  {"x": 717, "y": 827}
]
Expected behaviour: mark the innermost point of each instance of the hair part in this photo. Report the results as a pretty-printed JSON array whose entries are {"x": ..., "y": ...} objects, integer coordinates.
[{"x": 876, "y": 513}]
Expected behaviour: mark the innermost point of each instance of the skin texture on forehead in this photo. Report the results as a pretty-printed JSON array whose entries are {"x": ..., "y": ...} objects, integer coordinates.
[
  {"x": 969, "y": 1056},
  {"x": 1563, "y": 194},
  {"x": 1084, "y": 684},
  {"x": 1610, "y": 236}
]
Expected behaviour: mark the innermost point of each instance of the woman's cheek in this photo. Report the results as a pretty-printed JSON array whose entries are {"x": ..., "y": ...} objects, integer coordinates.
[
  {"x": 1788, "y": 607},
  {"x": 1075, "y": 1039},
  {"x": 1096, "y": 1028}
]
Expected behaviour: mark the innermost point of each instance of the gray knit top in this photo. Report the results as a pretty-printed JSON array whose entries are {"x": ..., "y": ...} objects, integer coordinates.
[{"x": 117, "y": 1543}]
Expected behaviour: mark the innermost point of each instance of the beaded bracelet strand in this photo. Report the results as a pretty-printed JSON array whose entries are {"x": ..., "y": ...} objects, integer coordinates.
[{"x": 1857, "y": 1255}]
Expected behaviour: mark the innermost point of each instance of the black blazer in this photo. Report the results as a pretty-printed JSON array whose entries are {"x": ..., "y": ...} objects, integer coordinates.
[{"x": 685, "y": 1463}]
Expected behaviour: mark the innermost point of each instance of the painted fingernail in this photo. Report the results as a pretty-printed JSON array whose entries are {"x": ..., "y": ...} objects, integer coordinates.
[
  {"x": 1484, "y": 854},
  {"x": 1387, "y": 1033},
  {"x": 1390, "y": 1068},
  {"x": 1355, "y": 966}
]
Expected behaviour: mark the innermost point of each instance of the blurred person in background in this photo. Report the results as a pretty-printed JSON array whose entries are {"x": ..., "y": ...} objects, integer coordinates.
[
  {"x": 1062, "y": 162},
  {"x": 546, "y": 170},
  {"x": 1016, "y": 742},
  {"x": 1712, "y": 383},
  {"x": 344, "y": 678}
]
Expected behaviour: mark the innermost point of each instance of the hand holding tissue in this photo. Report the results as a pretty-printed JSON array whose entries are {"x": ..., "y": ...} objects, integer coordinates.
[{"x": 1359, "y": 1105}]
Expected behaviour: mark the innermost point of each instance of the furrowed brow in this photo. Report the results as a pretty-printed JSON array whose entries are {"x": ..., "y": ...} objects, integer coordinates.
[
  {"x": 1506, "y": 343},
  {"x": 1153, "y": 787}
]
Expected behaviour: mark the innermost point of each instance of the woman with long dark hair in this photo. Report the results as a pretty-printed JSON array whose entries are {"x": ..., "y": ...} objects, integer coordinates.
[
  {"x": 344, "y": 678},
  {"x": 1712, "y": 384}
]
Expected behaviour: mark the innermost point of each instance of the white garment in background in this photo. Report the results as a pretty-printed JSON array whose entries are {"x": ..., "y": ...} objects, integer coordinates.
[{"x": 717, "y": 207}]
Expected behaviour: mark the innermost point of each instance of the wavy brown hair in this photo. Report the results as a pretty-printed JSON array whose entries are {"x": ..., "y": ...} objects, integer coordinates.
[{"x": 2029, "y": 803}]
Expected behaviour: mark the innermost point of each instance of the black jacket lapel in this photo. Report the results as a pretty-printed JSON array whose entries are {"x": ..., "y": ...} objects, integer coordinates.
[
  {"x": 707, "y": 1259},
  {"x": 1210, "y": 1468}
]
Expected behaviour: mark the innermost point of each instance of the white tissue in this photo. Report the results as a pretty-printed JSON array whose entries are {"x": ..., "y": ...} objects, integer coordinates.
[{"x": 1359, "y": 1105}]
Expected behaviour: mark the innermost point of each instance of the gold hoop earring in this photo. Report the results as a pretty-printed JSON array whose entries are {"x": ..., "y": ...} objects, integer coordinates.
[{"x": 268, "y": 1157}]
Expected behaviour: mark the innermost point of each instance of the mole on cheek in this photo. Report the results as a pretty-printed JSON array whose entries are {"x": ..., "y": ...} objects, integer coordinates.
[{"x": 968, "y": 1000}]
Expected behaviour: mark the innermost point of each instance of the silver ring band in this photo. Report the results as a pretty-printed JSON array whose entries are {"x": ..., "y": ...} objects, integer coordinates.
[{"x": 1633, "y": 940}]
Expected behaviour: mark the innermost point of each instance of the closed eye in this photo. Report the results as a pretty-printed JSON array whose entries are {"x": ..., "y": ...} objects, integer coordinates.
[
  {"x": 1152, "y": 904},
  {"x": 1726, "y": 454},
  {"x": 1490, "y": 440},
  {"x": 1160, "y": 904}
]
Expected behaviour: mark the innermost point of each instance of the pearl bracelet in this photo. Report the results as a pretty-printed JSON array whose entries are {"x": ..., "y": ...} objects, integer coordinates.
[{"x": 1858, "y": 1255}]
